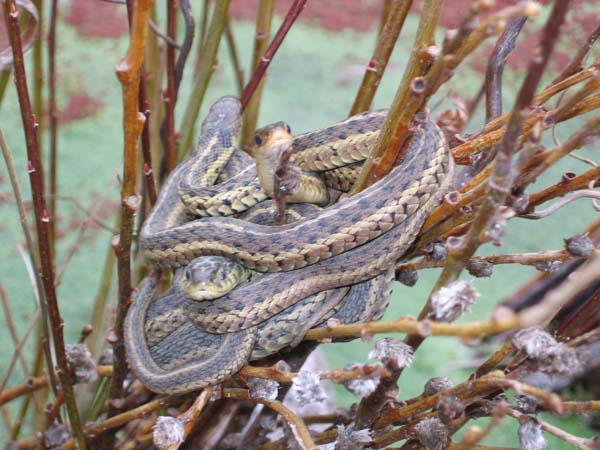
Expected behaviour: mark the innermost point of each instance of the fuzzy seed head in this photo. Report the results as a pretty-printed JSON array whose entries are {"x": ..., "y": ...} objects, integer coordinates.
[
  {"x": 167, "y": 431},
  {"x": 307, "y": 388},
  {"x": 349, "y": 439},
  {"x": 449, "y": 409},
  {"x": 579, "y": 245},
  {"x": 451, "y": 301},
  {"x": 432, "y": 433},
  {"x": 551, "y": 356},
  {"x": 480, "y": 268},
  {"x": 361, "y": 387},
  {"x": 527, "y": 404},
  {"x": 408, "y": 278},
  {"x": 437, "y": 384},
  {"x": 530, "y": 436},
  {"x": 263, "y": 388},
  {"x": 388, "y": 349},
  {"x": 80, "y": 358},
  {"x": 56, "y": 435}
]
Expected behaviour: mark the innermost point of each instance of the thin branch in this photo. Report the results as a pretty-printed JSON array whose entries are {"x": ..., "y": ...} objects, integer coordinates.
[
  {"x": 188, "y": 418},
  {"x": 128, "y": 72},
  {"x": 235, "y": 59},
  {"x": 266, "y": 59},
  {"x": 11, "y": 17},
  {"x": 395, "y": 14},
  {"x": 571, "y": 197},
  {"x": 53, "y": 119},
  {"x": 299, "y": 429},
  {"x": 576, "y": 63},
  {"x": 32, "y": 256},
  {"x": 262, "y": 35},
  {"x": 204, "y": 70}
]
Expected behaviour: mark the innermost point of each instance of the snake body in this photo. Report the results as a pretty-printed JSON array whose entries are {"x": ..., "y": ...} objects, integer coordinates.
[{"x": 336, "y": 263}]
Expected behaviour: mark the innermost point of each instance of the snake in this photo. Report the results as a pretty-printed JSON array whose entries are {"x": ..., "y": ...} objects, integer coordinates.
[{"x": 381, "y": 225}]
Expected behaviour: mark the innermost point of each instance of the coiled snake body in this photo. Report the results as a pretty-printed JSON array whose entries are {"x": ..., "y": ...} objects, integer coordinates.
[{"x": 338, "y": 261}]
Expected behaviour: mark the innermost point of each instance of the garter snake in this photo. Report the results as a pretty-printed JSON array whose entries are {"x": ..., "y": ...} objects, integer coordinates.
[{"x": 375, "y": 229}]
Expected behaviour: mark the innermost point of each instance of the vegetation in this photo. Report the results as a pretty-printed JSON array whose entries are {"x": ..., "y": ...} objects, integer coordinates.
[{"x": 538, "y": 314}]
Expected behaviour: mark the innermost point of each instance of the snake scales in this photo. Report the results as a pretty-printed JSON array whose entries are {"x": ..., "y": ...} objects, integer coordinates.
[{"x": 352, "y": 243}]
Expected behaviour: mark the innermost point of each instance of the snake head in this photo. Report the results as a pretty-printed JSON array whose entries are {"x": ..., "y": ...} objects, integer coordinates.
[
  {"x": 210, "y": 277},
  {"x": 225, "y": 113},
  {"x": 274, "y": 137}
]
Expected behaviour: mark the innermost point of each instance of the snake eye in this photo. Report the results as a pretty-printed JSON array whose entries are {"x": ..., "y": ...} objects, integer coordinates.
[
  {"x": 188, "y": 275},
  {"x": 288, "y": 129},
  {"x": 257, "y": 139}
]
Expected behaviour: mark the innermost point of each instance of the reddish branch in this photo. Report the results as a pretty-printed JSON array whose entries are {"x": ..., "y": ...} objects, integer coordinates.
[
  {"x": 36, "y": 176},
  {"x": 287, "y": 23},
  {"x": 128, "y": 72}
]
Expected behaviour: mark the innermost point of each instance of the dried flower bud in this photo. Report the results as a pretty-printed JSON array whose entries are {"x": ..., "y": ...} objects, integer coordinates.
[
  {"x": 80, "y": 358},
  {"x": 167, "y": 431},
  {"x": 56, "y": 435},
  {"x": 437, "y": 251},
  {"x": 497, "y": 230},
  {"x": 449, "y": 409},
  {"x": 408, "y": 278},
  {"x": 437, "y": 384},
  {"x": 530, "y": 435},
  {"x": 432, "y": 433},
  {"x": 451, "y": 301},
  {"x": 526, "y": 403},
  {"x": 547, "y": 266},
  {"x": 480, "y": 268},
  {"x": 307, "y": 388},
  {"x": 551, "y": 356},
  {"x": 388, "y": 350},
  {"x": 361, "y": 387},
  {"x": 520, "y": 203},
  {"x": 349, "y": 439},
  {"x": 536, "y": 343},
  {"x": 579, "y": 245},
  {"x": 106, "y": 358},
  {"x": 263, "y": 388}
]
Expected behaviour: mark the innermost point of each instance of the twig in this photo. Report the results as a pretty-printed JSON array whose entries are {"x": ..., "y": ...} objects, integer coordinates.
[
  {"x": 395, "y": 14},
  {"x": 393, "y": 136},
  {"x": 235, "y": 59},
  {"x": 11, "y": 328},
  {"x": 262, "y": 34},
  {"x": 167, "y": 129},
  {"x": 128, "y": 72},
  {"x": 493, "y": 88},
  {"x": 577, "y": 61},
  {"x": 527, "y": 259},
  {"x": 299, "y": 430},
  {"x": 204, "y": 70},
  {"x": 502, "y": 177},
  {"x": 188, "y": 418},
  {"x": 32, "y": 256},
  {"x": 157, "y": 31},
  {"x": 35, "y": 383},
  {"x": 53, "y": 120},
  {"x": 338, "y": 376},
  {"x": 100, "y": 302},
  {"x": 425, "y": 73},
  {"x": 571, "y": 197},
  {"x": 11, "y": 17},
  {"x": 287, "y": 23},
  {"x": 576, "y": 441},
  {"x": 13, "y": 360}
]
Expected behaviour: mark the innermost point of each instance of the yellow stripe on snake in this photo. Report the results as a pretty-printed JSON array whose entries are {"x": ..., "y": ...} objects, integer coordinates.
[{"x": 336, "y": 262}]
